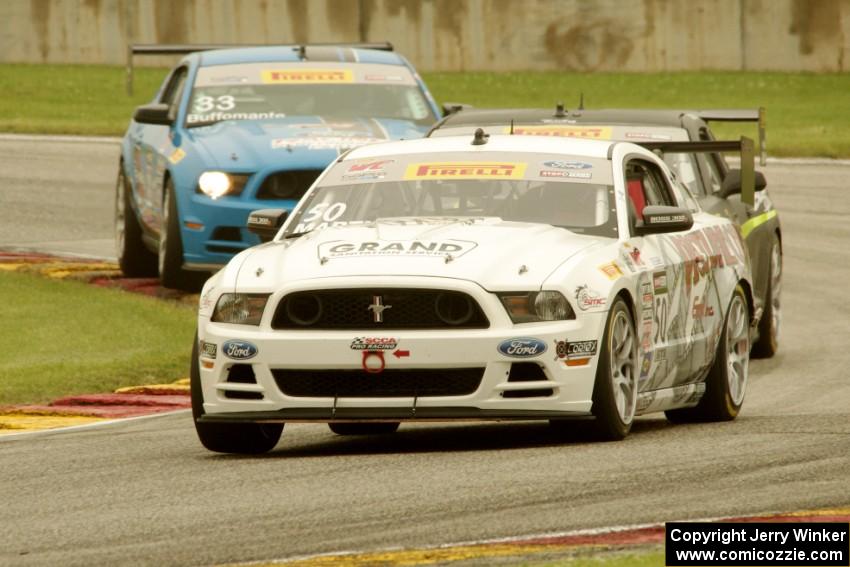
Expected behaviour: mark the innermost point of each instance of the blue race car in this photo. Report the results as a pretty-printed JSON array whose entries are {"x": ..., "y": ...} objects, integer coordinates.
[{"x": 234, "y": 130}]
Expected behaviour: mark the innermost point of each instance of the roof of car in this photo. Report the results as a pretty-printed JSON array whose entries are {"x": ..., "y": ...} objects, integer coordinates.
[
  {"x": 291, "y": 53},
  {"x": 483, "y": 117},
  {"x": 495, "y": 143}
]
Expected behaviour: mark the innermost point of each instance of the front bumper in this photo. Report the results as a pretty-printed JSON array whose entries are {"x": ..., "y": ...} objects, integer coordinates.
[{"x": 561, "y": 389}]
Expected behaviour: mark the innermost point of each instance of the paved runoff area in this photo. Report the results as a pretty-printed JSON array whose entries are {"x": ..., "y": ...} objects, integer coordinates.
[{"x": 145, "y": 491}]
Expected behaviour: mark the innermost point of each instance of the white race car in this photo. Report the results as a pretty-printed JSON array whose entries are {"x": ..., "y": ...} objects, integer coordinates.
[{"x": 477, "y": 277}]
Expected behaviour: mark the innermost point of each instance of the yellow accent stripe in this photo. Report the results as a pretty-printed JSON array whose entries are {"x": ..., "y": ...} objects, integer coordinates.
[
  {"x": 17, "y": 423},
  {"x": 756, "y": 221}
]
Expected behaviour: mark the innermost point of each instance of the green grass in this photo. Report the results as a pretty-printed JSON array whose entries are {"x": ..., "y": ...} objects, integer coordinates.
[
  {"x": 807, "y": 114},
  {"x": 64, "y": 338}
]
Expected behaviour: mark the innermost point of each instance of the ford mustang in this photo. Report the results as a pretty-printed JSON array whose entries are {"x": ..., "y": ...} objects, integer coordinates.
[
  {"x": 233, "y": 130},
  {"x": 478, "y": 277}
]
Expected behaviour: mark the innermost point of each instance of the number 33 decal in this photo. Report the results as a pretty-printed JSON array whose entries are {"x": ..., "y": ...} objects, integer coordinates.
[{"x": 207, "y": 103}]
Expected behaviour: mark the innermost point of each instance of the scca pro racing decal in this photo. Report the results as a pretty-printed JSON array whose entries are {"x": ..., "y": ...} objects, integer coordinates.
[
  {"x": 239, "y": 350},
  {"x": 343, "y": 249},
  {"x": 523, "y": 347},
  {"x": 374, "y": 343},
  {"x": 576, "y": 353}
]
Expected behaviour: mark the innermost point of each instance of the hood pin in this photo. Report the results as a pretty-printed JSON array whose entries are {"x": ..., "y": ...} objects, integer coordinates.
[
  {"x": 260, "y": 272},
  {"x": 523, "y": 269},
  {"x": 449, "y": 258}
]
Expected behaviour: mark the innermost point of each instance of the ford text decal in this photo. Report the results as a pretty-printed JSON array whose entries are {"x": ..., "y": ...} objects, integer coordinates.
[
  {"x": 523, "y": 347},
  {"x": 239, "y": 350}
]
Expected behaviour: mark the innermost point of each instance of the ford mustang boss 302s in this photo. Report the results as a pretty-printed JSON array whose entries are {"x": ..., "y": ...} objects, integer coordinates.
[
  {"x": 233, "y": 130},
  {"x": 715, "y": 185},
  {"x": 477, "y": 277}
]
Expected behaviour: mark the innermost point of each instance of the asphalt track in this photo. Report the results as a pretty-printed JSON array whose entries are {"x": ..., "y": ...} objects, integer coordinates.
[{"x": 145, "y": 492}]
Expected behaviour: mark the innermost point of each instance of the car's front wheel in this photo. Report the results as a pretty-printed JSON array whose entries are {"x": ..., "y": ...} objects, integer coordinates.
[
  {"x": 615, "y": 390},
  {"x": 135, "y": 260},
  {"x": 726, "y": 382},
  {"x": 170, "y": 257},
  {"x": 364, "y": 428},
  {"x": 242, "y": 438},
  {"x": 771, "y": 320}
]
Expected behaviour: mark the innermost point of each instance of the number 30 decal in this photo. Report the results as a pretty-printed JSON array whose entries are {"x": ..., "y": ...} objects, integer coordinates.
[{"x": 208, "y": 103}]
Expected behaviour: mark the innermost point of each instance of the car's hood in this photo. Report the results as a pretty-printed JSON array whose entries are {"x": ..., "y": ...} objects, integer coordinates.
[
  {"x": 307, "y": 141},
  {"x": 496, "y": 254}
]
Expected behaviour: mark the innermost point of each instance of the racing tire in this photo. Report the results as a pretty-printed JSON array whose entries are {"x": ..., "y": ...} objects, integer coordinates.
[
  {"x": 771, "y": 319},
  {"x": 170, "y": 256},
  {"x": 134, "y": 258},
  {"x": 615, "y": 388},
  {"x": 726, "y": 382},
  {"x": 364, "y": 428},
  {"x": 239, "y": 438}
]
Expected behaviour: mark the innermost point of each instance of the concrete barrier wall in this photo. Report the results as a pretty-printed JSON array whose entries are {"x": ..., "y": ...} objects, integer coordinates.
[{"x": 454, "y": 35}]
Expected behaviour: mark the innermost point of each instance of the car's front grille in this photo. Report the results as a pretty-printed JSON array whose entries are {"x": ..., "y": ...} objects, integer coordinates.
[
  {"x": 386, "y": 309},
  {"x": 289, "y": 185},
  {"x": 390, "y": 383}
]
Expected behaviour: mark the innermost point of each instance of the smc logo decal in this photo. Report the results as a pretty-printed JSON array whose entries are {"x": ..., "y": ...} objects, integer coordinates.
[
  {"x": 522, "y": 347},
  {"x": 239, "y": 350}
]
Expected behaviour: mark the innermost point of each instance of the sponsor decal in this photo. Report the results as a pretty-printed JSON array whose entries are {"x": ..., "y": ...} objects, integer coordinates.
[
  {"x": 323, "y": 142},
  {"x": 176, "y": 156},
  {"x": 383, "y": 78},
  {"x": 374, "y": 343},
  {"x": 664, "y": 219},
  {"x": 648, "y": 136},
  {"x": 646, "y": 335},
  {"x": 577, "y": 353},
  {"x": 659, "y": 282},
  {"x": 206, "y": 301},
  {"x": 365, "y": 176},
  {"x": 227, "y": 80},
  {"x": 646, "y": 365},
  {"x": 208, "y": 349},
  {"x": 307, "y": 76},
  {"x": 369, "y": 166},
  {"x": 342, "y": 249},
  {"x": 706, "y": 250},
  {"x": 562, "y": 164},
  {"x": 588, "y": 298},
  {"x": 239, "y": 350},
  {"x": 611, "y": 270},
  {"x": 591, "y": 132},
  {"x": 465, "y": 170},
  {"x": 561, "y": 173},
  {"x": 646, "y": 295},
  {"x": 523, "y": 347},
  {"x": 701, "y": 309}
]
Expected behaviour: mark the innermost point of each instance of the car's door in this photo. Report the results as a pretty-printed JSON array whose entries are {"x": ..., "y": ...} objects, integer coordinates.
[
  {"x": 152, "y": 150},
  {"x": 678, "y": 308}
]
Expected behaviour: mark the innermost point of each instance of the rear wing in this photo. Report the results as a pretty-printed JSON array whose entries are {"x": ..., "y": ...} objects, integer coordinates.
[
  {"x": 744, "y": 146},
  {"x": 184, "y": 49},
  {"x": 741, "y": 115}
]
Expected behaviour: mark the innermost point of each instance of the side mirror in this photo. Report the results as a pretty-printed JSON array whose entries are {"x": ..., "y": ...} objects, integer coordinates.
[
  {"x": 732, "y": 183},
  {"x": 454, "y": 107},
  {"x": 265, "y": 223},
  {"x": 659, "y": 219},
  {"x": 153, "y": 114}
]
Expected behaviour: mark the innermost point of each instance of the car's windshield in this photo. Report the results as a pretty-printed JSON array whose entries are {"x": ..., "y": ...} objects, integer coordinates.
[
  {"x": 260, "y": 91},
  {"x": 574, "y": 193}
]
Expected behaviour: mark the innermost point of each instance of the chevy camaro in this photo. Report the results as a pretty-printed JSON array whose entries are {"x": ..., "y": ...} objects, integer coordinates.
[
  {"x": 477, "y": 277},
  {"x": 233, "y": 130}
]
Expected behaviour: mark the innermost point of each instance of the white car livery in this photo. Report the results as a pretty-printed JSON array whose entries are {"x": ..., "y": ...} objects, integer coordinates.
[{"x": 477, "y": 277}]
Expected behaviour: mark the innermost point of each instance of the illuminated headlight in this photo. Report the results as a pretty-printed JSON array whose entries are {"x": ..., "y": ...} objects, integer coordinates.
[
  {"x": 240, "y": 308},
  {"x": 216, "y": 184},
  {"x": 537, "y": 306}
]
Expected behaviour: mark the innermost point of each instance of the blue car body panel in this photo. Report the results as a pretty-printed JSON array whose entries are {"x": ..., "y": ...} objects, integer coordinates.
[{"x": 259, "y": 148}]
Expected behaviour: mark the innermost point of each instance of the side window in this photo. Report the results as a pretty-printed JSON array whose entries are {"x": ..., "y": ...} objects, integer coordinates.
[
  {"x": 646, "y": 186},
  {"x": 685, "y": 167},
  {"x": 173, "y": 90},
  {"x": 712, "y": 175}
]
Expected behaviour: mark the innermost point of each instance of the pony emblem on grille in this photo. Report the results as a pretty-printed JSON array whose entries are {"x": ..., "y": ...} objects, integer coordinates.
[{"x": 377, "y": 308}]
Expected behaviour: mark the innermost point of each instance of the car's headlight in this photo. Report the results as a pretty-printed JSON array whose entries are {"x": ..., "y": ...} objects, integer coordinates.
[
  {"x": 533, "y": 306},
  {"x": 240, "y": 308},
  {"x": 216, "y": 184}
]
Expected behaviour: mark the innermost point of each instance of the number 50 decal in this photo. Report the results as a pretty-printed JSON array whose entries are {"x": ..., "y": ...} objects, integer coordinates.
[
  {"x": 325, "y": 211},
  {"x": 661, "y": 313}
]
